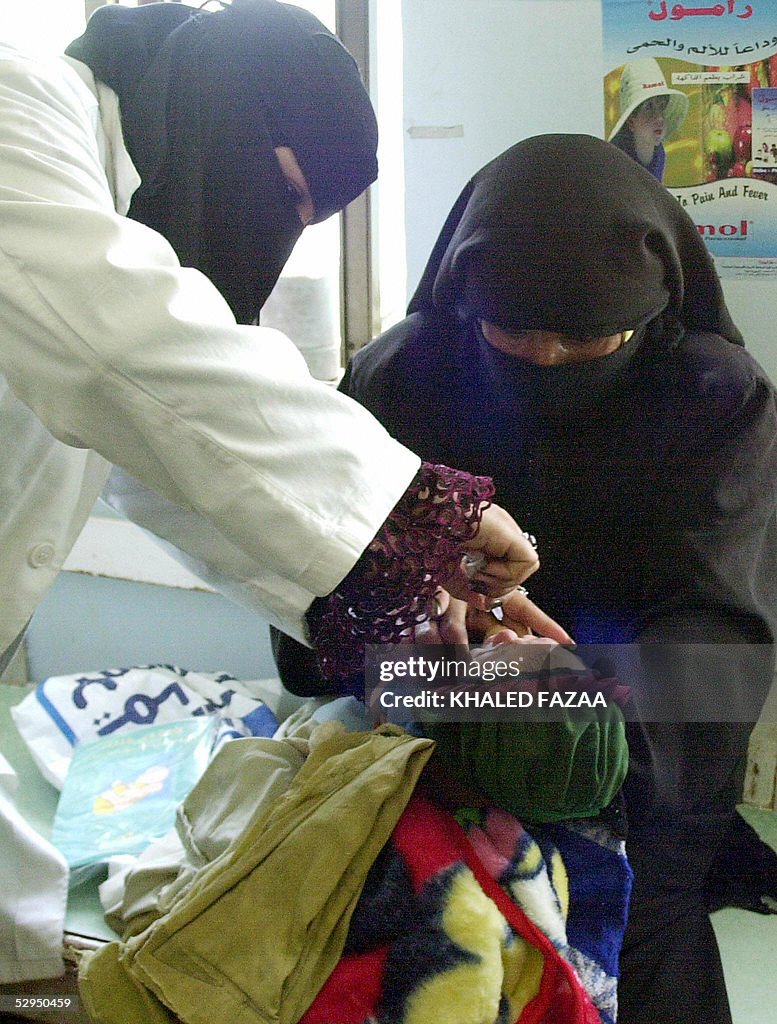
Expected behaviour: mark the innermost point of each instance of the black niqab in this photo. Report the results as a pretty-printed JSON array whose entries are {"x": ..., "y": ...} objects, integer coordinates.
[
  {"x": 205, "y": 97},
  {"x": 566, "y": 233}
]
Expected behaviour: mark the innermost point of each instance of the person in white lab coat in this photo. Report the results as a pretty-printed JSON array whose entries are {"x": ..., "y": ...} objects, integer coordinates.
[
  {"x": 152, "y": 184},
  {"x": 245, "y": 123}
]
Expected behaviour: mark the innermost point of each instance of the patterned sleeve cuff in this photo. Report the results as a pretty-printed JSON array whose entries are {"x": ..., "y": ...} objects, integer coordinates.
[{"x": 390, "y": 589}]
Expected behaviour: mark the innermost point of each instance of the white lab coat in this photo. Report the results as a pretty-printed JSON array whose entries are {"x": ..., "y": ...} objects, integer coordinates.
[
  {"x": 111, "y": 353},
  {"x": 33, "y": 896}
]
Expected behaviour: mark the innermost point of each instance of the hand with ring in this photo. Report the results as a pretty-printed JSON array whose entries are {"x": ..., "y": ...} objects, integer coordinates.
[
  {"x": 456, "y": 622},
  {"x": 497, "y": 559}
]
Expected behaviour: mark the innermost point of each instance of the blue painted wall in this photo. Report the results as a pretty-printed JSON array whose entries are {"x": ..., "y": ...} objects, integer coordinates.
[{"x": 87, "y": 623}]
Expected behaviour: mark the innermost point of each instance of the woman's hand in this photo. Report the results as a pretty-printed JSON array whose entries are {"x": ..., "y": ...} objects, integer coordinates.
[
  {"x": 520, "y": 618},
  {"x": 503, "y": 556},
  {"x": 457, "y": 622}
]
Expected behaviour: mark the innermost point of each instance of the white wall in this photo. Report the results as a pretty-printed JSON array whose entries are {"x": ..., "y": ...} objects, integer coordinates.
[{"x": 484, "y": 74}]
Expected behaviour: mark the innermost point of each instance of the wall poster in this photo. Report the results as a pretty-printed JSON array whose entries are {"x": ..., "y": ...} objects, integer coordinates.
[{"x": 691, "y": 93}]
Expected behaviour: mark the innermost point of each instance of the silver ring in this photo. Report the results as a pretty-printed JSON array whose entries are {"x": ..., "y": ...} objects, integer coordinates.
[
  {"x": 530, "y": 537},
  {"x": 497, "y": 602}
]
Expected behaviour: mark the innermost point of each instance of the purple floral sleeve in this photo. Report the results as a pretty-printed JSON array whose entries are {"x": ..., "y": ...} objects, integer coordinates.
[{"x": 391, "y": 587}]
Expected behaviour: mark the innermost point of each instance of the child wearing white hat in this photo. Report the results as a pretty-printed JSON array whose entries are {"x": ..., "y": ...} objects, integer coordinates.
[{"x": 650, "y": 113}]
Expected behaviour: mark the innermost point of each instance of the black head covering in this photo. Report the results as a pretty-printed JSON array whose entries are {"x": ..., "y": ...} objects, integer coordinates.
[
  {"x": 205, "y": 97},
  {"x": 566, "y": 233}
]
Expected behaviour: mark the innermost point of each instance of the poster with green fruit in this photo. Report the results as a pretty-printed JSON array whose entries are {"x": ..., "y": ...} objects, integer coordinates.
[{"x": 691, "y": 94}]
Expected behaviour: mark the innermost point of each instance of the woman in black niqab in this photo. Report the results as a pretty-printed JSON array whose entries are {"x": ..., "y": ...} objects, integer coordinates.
[
  {"x": 648, "y": 475},
  {"x": 561, "y": 233},
  {"x": 205, "y": 98}
]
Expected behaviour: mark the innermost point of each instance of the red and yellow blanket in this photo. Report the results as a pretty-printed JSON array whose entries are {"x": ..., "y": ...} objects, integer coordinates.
[{"x": 439, "y": 937}]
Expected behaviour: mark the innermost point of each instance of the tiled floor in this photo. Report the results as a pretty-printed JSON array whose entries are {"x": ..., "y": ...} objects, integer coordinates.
[{"x": 748, "y": 944}]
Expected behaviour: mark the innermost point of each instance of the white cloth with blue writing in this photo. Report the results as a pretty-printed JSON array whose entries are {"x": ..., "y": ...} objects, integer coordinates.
[{"x": 65, "y": 710}]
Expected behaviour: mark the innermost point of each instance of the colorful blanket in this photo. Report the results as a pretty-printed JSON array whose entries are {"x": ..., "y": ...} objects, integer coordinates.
[{"x": 483, "y": 924}]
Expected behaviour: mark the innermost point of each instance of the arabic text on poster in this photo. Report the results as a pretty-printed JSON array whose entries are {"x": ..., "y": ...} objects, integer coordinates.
[{"x": 691, "y": 93}]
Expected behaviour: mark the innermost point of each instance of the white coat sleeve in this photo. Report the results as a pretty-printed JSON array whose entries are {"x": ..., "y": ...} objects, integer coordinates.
[
  {"x": 116, "y": 348},
  {"x": 34, "y": 894},
  {"x": 194, "y": 543}
]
